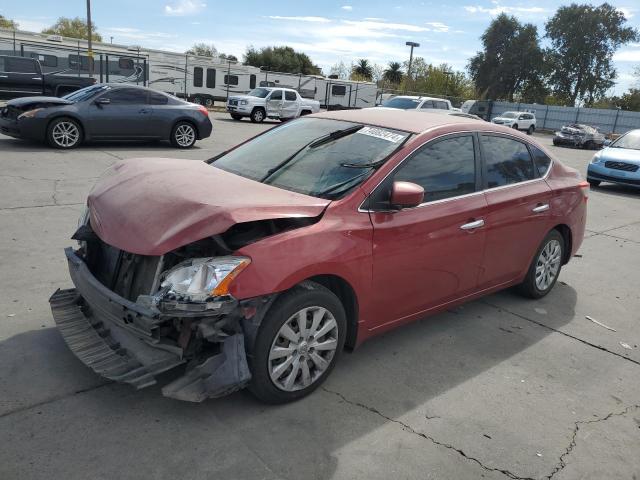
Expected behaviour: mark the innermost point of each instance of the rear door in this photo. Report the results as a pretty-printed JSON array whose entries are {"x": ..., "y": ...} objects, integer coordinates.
[
  {"x": 432, "y": 254},
  {"x": 519, "y": 215},
  {"x": 127, "y": 115},
  {"x": 20, "y": 76},
  {"x": 274, "y": 103},
  {"x": 289, "y": 104}
]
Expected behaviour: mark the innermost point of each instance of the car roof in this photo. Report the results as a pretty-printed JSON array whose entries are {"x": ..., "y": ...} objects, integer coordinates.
[
  {"x": 413, "y": 121},
  {"x": 415, "y": 97}
]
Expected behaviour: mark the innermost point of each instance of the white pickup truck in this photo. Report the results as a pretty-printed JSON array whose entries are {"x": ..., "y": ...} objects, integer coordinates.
[{"x": 268, "y": 102}]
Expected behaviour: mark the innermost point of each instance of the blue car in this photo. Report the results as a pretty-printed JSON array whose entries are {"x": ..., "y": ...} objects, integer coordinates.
[{"x": 619, "y": 162}]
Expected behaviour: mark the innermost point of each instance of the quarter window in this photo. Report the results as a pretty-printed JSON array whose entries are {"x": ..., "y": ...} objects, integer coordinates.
[
  {"x": 541, "y": 160},
  {"x": 157, "y": 98},
  {"x": 231, "y": 79},
  {"x": 211, "y": 78},
  {"x": 444, "y": 169},
  {"x": 197, "y": 76},
  {"x": 508, "y": 161}
]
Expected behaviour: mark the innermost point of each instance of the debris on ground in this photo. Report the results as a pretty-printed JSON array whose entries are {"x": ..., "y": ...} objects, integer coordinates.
[
  {"x": 538, "y": 454},
  {"x": 540, "y": 311},
  {"x": 599, "y": 323},
  {"x": 626, "y": 345},
  {"x": 11, "y": 315}
]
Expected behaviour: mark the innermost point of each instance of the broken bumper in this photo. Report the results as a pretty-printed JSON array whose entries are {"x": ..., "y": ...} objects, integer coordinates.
[{"x": 120, "y": 340}]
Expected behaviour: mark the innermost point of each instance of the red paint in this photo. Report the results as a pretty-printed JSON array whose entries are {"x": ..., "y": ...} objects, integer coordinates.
[{"x": 401, "y": 265}]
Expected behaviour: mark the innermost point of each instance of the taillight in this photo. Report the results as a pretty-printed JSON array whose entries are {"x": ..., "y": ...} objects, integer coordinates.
[
  {"x": 584, "y": 188},
  {"x": 202, "y": 109}
]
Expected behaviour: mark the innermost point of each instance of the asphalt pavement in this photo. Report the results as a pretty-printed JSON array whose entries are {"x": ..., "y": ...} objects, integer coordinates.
[{"x": 502, "y": 387}]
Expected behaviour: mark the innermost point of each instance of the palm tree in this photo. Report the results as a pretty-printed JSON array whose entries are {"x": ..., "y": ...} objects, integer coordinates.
[
  {"x": 393, "y": 74},
  {"x": 363, "y": 69}
]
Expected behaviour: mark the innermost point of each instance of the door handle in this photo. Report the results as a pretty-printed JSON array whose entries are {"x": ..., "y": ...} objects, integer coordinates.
[
  {"x": 472, "y": 225},
  {"x": 4, "y": 76},
  {"x": 144, "y": 110},
  {"x": 36, "y": 78},
  {"x": 541, "y": 207}
]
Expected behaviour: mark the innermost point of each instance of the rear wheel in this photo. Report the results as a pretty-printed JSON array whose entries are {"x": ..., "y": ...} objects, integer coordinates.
[
  {"x": 298, "y": 344},
  {"x": 64, "y": 133},
  {"x": 531, "y": 129},
  {"x": 209, "y": 102},
  {"x": 545, "y": 267},
  {"x": 183, "y": 135},
  {"x": 258, "y": 115},
  {"x": 235, "y": 116},
  {"x": 515, "y": 126},
  {"x": 588, "y": 145}
]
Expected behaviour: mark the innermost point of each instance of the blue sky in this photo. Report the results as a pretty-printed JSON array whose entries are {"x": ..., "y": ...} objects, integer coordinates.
[{"x": 328, "y": 31}]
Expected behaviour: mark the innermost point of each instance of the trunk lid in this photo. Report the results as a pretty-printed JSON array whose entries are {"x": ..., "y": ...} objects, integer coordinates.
[{"x": 150, "y": 206}]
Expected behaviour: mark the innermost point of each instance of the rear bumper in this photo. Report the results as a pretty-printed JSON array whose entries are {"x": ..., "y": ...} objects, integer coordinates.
[
  {"x": 121, "y": 341},
  {"x": 204, "y": 129}
]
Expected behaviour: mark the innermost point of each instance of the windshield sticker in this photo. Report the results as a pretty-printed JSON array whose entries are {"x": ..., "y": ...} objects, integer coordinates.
[{"x": 382, "y": 134}]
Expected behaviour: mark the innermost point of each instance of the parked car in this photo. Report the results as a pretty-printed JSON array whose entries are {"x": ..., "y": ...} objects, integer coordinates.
[
  {"x": 106, "y": 112},
  {"x": 481, "y": 108},
  {"x": 276, "y": 103},
  {"x": 257, "y": 268},
  {"x": 409, "y": 102},
  {"x": 578, "y": 135},
  {"x": 617, "y": 163},
  {"x": 525, "y": 121},
  {"x": 23, "y": 76}
]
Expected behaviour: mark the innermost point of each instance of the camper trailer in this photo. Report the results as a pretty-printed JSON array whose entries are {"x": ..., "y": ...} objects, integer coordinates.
[{"x": 203, "y": 80}]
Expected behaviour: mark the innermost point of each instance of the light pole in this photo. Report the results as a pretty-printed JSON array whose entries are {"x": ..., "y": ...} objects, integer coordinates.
[
  {"x": 90, "y": 49},
  {"x": 447, "y": 74},
  {"x": 410, "y": 44},
  {"x": 266, "y": 74}
]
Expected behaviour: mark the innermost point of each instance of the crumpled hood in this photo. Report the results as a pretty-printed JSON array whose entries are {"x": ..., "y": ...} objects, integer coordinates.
[
  {"x": 150, "y": 206},
  {"x": 22, "y": 101},
  {"x": 245, "y": 97}
]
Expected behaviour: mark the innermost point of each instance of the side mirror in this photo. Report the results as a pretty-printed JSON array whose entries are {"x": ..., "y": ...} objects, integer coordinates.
[
  {"x": 406, "y": 194},
  {"x": 103, "y": 101}
]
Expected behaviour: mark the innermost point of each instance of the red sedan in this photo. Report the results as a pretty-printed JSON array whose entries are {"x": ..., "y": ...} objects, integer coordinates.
[{"x": 256, "y": 268}]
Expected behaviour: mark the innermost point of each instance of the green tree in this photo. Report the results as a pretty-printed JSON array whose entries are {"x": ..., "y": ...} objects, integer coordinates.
[
  {"x": 203, "y": 50},
  {"x": 281, "y": 59},
  {"x": 439, "y": 80},
  {"x": 362, "y": 70},
  {"x": 510, "y": 61},
  {"x": 583, "y": 41},
  {"x": 6, "y": 23},
  {"x": 393, "y": 74},
  {"x": 73, "y": 28},
  {"x": 225, "y": 57}
]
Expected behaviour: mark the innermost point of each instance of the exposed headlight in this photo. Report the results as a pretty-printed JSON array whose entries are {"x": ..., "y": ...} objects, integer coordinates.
[
  {"x": 244, "y": 102},
  {"x": 596, "y": 158},
  {"x": 201, "y": 278},
  {"x": 29, "y": 113}
]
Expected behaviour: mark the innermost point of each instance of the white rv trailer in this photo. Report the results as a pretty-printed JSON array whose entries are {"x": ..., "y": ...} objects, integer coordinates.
[{"x": 198, "y": 79}]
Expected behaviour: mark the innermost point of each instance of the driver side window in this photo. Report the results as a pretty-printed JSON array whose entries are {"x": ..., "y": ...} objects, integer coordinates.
[{"x": 445, "y": 168}]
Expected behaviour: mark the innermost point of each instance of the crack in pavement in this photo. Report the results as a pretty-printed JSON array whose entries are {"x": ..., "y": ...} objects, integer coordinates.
[
  {"x": 410, "y": 429},
  {"x": 54, "y": 399},
  {"x": 46, "y": 179},
  {"x": 42, "y": 206},
  {"x": 597, "y": 234},
  {"x": 560, "y": 466},
  {"x": 599, "y": 347}
]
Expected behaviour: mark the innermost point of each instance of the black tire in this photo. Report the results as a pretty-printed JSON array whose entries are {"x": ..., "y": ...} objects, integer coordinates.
[
  {"x": 305, "y": 112},
  {"x": 593, "y": 183},
  {"x": 208, "y": 102},
  {"x": 197, "y": 100},
  {"x": 555, "y": 142},
  {"x": 235, "y": 116},
  {"x": 305, "y": 295},
  {"x": 588, "y": 145},
  {"x": 531, "y": 129},
  {"x": 56, "y": 133},
  {"x": 515, "y": 126},
  {"x": 529, "y": 287},
  {"x": 183, "y": 135},
  {"x": 258, "y": 115}
]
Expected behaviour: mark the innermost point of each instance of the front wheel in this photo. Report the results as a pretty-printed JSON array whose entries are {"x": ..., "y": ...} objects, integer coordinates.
[
  {"x": 64, "y": 133},
  {"x": 545, "y": 267},
  {"x": 183, "y": 135},
  {"x": 298, "y": 344},
  {"x": 257, "y": 116},
  {"x": 531, "y": 129},
  {"x": 235, "y": 116},
  {"x": 515, "y": 126}
]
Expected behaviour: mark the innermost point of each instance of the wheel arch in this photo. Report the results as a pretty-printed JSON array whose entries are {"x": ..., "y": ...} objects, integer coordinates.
[
  {"x": 53, "y": 118},
  {"x": 567, "y": 236},
  {"x": 188, "y": 120}
]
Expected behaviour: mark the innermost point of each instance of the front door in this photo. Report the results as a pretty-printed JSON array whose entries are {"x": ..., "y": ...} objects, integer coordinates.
[
  {"x": 126, "y": 115},
  {"x": 430, "y": 255},
  {"x": 519, "y": 209},
  {"x": 274, "y": 104}
]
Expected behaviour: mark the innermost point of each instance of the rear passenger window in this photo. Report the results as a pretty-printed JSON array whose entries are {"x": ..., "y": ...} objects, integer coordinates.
[
  {"x": 156, "y": 98},
  {"x": 441, "y": 105},
  {"x": 197, "y": 76},
  {"x": 508, "y": 161},
  {"x": 444, "y": 169},
  {"x": 276, "y": 95},
  {"x": 427, "y": 104},
  {"x": 541, "y": 161},
  {"x": 289, "y": 95}
]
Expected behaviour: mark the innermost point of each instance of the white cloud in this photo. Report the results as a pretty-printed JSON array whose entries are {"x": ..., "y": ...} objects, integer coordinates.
[
  {"x": 301, "y": 19},
  {"x": 498, "y": 9},
  {"x": 627, "y": 12},
  {"x": 348, "y": 8},
  {"x": 32, "y": 25},
  {"x": 181, "y": 8},
  {"x": 136, "y": 34},
  {"x": 377, "y": 25},
  {"x": 627, "y": 56},
  {"x": 375, "y": 19},
  {"x": 438, "y": 26}
]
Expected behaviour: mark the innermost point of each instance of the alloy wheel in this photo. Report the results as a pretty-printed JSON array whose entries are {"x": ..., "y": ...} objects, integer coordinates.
[
  {"x": 548, "y": 264},
  {"x": 185, "y": 135},
  {"x": 303, "y": 348},
  {"x": 65, "y": 134}
]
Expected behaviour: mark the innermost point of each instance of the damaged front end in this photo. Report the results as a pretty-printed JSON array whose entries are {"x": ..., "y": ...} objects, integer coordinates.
[{"x": 132, "y": 317}]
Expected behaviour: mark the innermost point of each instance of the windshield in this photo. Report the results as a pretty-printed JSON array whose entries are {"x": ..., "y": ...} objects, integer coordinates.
[
  {"x": 509, "y": 115},
  {"x": 86, "y": 93},
  {"x": 403, "y": 103},
  {"x": 315, "y": 156},
  {"x": 259, "y": 92},
  {"x": 630, "y": 140}
]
